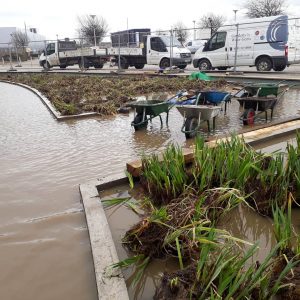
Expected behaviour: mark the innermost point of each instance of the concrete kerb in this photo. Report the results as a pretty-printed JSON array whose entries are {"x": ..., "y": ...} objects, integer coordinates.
[
  {"x": 49, "y": 105},
  {"x": 252, "y": 138},
  {"x": 110, "y": 282}
]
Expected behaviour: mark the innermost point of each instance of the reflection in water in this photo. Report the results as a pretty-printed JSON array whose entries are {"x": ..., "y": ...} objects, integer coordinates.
[
  {"x": 246, "y": 224},
  {"x": 42, "y": 163}
]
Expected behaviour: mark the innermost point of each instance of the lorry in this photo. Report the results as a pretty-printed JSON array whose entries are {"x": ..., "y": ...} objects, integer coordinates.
[
  {"x": 65, "y": 53},
  {"x": 267, "y": 43},
  {"x": 135, "y": 47}
]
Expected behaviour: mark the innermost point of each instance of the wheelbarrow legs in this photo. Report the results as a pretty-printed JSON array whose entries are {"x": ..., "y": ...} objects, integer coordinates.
[
  {"x": 208, "y": 125},
  {"x": 214, "y": 123}
]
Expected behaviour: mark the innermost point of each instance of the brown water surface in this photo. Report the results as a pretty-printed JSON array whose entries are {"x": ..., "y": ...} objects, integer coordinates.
[{"x": 44, "y": 244}]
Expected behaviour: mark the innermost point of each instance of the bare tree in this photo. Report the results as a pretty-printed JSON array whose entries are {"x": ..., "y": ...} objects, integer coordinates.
[
  {"x": 91, "y": 26},
  {"x": 20, "y": 39},
  {"x": 212, "y": 21},
  {"x": 180, "y": 32},
  {"x": 264, "y": 8}
]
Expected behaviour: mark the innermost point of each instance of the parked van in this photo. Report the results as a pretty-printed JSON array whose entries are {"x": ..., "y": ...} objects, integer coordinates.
[
  {"x": 262, "y": 42},
  {"x": 194, "y": 45}
]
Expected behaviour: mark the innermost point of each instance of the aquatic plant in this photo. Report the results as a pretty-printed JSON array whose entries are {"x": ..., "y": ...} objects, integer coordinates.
[
  {"x": 194, "y": 197},
  {"x": 293, "y": 167},
  {"x": 165, "y": 178},
  {"x": 283, "y": 228},
  {"x": 221, "y": 273}
]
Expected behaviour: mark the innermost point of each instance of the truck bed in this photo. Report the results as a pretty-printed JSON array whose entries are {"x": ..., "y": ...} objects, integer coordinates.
[
  {"x": 125, "y": 51},
  {"x": 82, "y": 52}
]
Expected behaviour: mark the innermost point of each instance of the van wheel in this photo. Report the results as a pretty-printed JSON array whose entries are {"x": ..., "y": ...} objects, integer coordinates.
[
  {"x": 264, "y": 64},
  {"x": 279, "y": 68},
  {"x": 165, "y": 63},
  {"x": 204, "y": 65},
  {"x": 46, "y": 65}
]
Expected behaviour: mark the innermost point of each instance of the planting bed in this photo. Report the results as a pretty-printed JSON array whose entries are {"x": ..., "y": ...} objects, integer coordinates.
[
  {"x": 187, "y": 209},
  {"x": 71, "y": 94}
]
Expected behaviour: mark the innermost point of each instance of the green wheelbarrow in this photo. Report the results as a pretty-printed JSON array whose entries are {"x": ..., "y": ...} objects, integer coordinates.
[
  {"x": 259, "y": 98},
  {"x": 147, "y": 110}
]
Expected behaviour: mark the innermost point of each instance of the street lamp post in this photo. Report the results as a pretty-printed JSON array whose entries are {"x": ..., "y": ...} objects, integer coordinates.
[
  {"x": 93, "y": 17},
  {"x": 211, "y": 28},
  {"x": 235, "y": 11},
  {"x": 194, "y": 30}
]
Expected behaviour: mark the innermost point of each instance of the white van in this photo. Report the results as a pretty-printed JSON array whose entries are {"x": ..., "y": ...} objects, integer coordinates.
[
  {"x": 262, "y": 42},
  {"x": 194, "y": 45}
]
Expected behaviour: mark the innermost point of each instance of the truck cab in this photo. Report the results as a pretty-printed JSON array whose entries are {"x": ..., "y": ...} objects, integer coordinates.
[{"x": 166, "y": 50}]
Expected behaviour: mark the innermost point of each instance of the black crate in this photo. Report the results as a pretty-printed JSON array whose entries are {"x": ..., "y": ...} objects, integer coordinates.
[{"x": 129, "y": 38}]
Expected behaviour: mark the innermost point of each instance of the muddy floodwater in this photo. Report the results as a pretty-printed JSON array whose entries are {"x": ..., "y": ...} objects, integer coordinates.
[{"x": 44, "y": 244}]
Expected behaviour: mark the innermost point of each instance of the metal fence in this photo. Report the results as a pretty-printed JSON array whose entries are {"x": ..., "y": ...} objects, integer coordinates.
[{"x": 233, "y": 44}]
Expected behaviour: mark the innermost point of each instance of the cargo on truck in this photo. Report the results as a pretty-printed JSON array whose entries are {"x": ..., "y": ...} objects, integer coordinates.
[{"x": 266, "y": 43}]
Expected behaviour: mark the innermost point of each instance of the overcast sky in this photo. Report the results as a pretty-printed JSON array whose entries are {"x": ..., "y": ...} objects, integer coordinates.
[{"x": 55, "y": 17}]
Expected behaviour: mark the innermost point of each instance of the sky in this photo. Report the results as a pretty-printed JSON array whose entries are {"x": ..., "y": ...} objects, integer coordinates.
[{"x": 59, "y": 18}]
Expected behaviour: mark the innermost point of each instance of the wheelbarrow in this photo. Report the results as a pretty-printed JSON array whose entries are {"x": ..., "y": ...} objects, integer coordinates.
[
  {"x": 259, "y": 98},
  {"x": 207, "y": 107},
  {"x": 213, "y": 98},
  {"x": 147, "y": 110},
  {"x": 194, "y": 115}
]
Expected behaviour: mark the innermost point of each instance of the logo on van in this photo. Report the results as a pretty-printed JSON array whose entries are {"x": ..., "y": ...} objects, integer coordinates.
[
  {"x": 277, "y": 33},
  {"x": 256, "y": 32}
]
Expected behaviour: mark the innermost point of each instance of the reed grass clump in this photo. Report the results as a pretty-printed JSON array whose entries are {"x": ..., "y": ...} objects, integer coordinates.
[
  {"x": 222, "y": 272},
  {"x": 185, "y": 204}
]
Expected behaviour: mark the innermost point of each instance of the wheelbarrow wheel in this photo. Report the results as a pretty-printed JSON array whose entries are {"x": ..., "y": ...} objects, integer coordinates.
[
  {"x": 248, "y": 116},
  {"x": 137, "y": 122},
  {"x": 190, "y": 127}
]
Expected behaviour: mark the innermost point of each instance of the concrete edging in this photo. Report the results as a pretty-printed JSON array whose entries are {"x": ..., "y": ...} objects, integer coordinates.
[
  {"x": 49, "y": 105},
  {"x": 110, "y": 282},
  {"x": 251, "y": 138}
]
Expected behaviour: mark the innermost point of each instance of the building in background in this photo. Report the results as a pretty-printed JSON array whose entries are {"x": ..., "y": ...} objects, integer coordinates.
[{"x": 35, "y": 46}]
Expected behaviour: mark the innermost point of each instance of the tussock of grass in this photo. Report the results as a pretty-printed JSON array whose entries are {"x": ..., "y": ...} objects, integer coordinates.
[{"x": 186, "y": 205}]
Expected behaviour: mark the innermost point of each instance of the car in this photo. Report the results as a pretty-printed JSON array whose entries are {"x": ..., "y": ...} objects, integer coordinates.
[{"x": 194, "y": 45}]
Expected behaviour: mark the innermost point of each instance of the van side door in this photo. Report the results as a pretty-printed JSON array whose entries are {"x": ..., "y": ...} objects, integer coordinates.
[
  {"x": 216, "y": 49},
  {"x": 245, "y": 46}
]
